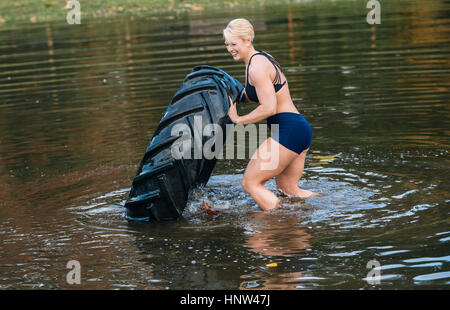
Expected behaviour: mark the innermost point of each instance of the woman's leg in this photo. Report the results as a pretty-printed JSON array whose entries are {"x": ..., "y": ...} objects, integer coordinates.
[
  {"x": 287, "y": 180},
  {"x": 269, "y": 160}
]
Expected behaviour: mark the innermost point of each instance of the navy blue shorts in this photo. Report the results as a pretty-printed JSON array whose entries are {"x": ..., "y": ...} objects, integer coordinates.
[{"x": 294, "y": 132}]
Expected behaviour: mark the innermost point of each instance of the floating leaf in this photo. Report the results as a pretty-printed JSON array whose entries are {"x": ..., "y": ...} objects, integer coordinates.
[{"x": 324, "y": 159}]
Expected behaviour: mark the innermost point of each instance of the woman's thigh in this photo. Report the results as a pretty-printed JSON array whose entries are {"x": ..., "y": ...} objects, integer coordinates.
[
  {"x": 269, "y": 160},
  {"x": 293, "y": 172}
]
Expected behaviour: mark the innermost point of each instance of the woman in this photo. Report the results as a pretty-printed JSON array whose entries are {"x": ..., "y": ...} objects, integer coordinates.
[{"x": 267, "y": 85}]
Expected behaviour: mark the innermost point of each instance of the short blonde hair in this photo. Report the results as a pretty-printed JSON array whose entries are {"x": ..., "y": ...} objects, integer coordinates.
[{"x": 241, "y": 28}]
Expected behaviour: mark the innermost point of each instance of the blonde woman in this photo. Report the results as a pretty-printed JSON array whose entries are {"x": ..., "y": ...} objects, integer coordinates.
[{"x": 267, "y": 85}]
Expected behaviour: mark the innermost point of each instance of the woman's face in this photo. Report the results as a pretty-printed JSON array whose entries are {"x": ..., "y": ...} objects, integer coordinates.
[{"x": 237, "y": 47}]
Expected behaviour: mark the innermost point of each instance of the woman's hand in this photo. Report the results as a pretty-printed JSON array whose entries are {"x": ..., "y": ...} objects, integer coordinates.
[{"x": 232, "y": 112}]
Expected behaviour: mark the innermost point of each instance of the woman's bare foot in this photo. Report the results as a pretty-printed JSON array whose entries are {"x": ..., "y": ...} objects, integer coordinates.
[{"x": 301, "y": 193}]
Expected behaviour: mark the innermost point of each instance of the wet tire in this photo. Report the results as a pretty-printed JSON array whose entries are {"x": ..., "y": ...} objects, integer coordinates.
[{"x": 161, "y": 187}]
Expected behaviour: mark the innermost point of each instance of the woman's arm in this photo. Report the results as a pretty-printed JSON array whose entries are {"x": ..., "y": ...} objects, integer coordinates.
[{"x": 265, "y": 91}]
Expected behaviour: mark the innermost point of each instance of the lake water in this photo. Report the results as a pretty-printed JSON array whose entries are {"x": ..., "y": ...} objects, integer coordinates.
[{"x": 79, "y": 105}]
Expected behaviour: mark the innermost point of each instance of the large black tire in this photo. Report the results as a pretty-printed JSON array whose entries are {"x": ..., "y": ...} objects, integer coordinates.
[{"x": 161, "y": 187}]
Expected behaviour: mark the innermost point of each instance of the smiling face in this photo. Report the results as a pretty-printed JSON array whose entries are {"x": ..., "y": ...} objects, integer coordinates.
[{"x": 238, "y": 48}]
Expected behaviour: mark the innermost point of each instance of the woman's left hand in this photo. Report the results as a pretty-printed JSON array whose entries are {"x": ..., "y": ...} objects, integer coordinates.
[{"x": 232, "y": 112}]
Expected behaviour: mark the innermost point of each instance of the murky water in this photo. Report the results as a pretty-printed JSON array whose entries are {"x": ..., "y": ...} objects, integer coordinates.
[{"x": 79, "y": 104}]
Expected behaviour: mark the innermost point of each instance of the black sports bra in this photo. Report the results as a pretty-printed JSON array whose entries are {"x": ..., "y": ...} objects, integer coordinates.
[{"x": 250, "y": 90}]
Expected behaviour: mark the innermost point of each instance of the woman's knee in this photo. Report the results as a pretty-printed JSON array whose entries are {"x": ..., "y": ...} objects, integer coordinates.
[
  {"x": 249, "y": 185},
  {"x": 246, "y": 184}
]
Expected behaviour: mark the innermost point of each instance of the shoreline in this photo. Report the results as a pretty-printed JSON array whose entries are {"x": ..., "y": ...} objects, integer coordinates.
[{"x": 29, "y": 12}]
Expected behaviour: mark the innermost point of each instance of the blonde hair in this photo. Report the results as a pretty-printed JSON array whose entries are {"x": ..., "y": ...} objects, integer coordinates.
[{"x": 241, "y": 28}]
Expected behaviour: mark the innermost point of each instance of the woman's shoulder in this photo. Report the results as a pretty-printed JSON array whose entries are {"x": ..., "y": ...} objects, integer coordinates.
[
  {"x": 264, "y": 52},
  {"x": 259, "y": 64}
]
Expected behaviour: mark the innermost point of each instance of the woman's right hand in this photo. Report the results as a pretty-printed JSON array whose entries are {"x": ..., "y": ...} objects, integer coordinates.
[{"x": 232, "y": 112}]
